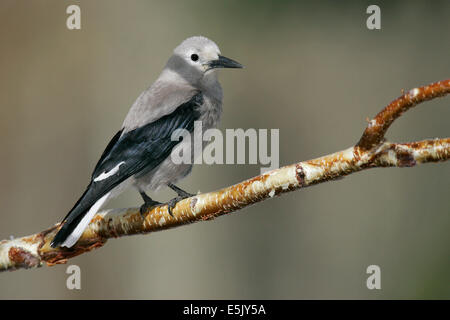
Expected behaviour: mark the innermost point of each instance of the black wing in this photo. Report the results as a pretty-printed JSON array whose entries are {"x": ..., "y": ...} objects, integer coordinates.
[
  {"x": 108, "y": 148},
  {"x": 142, "y": 148}
]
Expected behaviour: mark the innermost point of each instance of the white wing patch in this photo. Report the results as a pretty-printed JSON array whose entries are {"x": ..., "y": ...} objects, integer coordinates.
[{"x": 108, "y": 174}]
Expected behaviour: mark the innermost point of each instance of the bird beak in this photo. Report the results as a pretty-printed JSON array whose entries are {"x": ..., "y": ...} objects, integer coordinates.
[{"x": 224, "y": 62}]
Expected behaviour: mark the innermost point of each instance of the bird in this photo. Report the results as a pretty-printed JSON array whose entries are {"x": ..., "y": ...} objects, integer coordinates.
[{"x": 139, "y": 154}]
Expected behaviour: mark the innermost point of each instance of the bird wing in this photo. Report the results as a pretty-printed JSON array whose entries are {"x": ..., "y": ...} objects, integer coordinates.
[
  {"x": 162, "y": 98},
  {"x": 129, "y": 153}
]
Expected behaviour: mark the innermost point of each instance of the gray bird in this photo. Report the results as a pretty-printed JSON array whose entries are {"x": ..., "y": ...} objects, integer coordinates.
[{"x": 139, "y": 155}]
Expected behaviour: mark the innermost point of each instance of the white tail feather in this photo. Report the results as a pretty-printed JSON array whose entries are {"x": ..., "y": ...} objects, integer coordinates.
[{"x": 78, "y": 231}]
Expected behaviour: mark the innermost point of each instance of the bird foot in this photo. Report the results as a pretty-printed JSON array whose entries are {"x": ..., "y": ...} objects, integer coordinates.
[
  {"x": 147, "y": 206},
  {"x": 180, "y": 192},
  {"x": 173, "y": 202}
]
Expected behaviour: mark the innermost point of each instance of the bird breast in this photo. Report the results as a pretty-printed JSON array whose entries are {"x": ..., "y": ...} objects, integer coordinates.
[{"x": 169, "y": 172}]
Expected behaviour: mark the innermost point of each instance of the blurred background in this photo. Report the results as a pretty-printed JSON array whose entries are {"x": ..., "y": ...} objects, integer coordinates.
[{"x": 313, "y": 70}]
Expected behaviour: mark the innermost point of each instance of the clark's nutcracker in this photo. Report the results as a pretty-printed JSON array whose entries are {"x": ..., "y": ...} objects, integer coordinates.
[{"x": 139, "y": 154}]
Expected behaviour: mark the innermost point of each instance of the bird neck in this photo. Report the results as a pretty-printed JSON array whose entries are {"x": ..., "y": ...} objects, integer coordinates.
[
  {"x": 209, "y": 80},
  {"x": 208, "y": 84}
]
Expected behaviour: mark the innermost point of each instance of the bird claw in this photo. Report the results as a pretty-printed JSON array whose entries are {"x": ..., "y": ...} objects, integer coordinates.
[
  {"x": 173, "y": 202},
  {"x": 147, "y": 206}
]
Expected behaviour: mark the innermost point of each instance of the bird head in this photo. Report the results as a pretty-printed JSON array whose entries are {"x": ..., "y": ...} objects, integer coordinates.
[{"x": 197, "y": 58}]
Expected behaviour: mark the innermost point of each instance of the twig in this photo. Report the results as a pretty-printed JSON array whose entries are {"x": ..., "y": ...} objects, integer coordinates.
[{"x": 371, "y": 151}]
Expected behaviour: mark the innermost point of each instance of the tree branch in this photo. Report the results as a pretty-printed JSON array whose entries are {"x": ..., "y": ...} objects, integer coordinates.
[{"x": 370, "y": 152}]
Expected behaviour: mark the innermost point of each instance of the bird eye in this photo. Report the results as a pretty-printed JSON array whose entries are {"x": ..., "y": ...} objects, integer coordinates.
[{"x": 194, "y": 57}]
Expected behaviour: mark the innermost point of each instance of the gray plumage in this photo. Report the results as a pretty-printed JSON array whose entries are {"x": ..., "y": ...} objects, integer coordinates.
[{"x": 138, "y": 156}]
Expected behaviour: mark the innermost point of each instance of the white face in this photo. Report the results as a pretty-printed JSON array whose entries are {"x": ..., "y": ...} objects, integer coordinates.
[
  {"x": 200, "y": 58},
  {"x": 197, "y": 57},
  {"x": 197, "y": 52}
]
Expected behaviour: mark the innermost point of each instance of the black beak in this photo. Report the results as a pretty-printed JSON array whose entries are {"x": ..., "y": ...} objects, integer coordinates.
[{"x": 224, "y": 62}]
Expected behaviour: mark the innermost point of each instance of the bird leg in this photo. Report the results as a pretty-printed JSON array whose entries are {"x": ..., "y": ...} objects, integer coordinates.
[
  {"x": 181, "y": 195},
  {"x": 148, "y": 203}
]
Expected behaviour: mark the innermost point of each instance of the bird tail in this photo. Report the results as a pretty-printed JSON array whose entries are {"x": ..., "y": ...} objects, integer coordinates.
[{"x": 75, "y": 222}]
